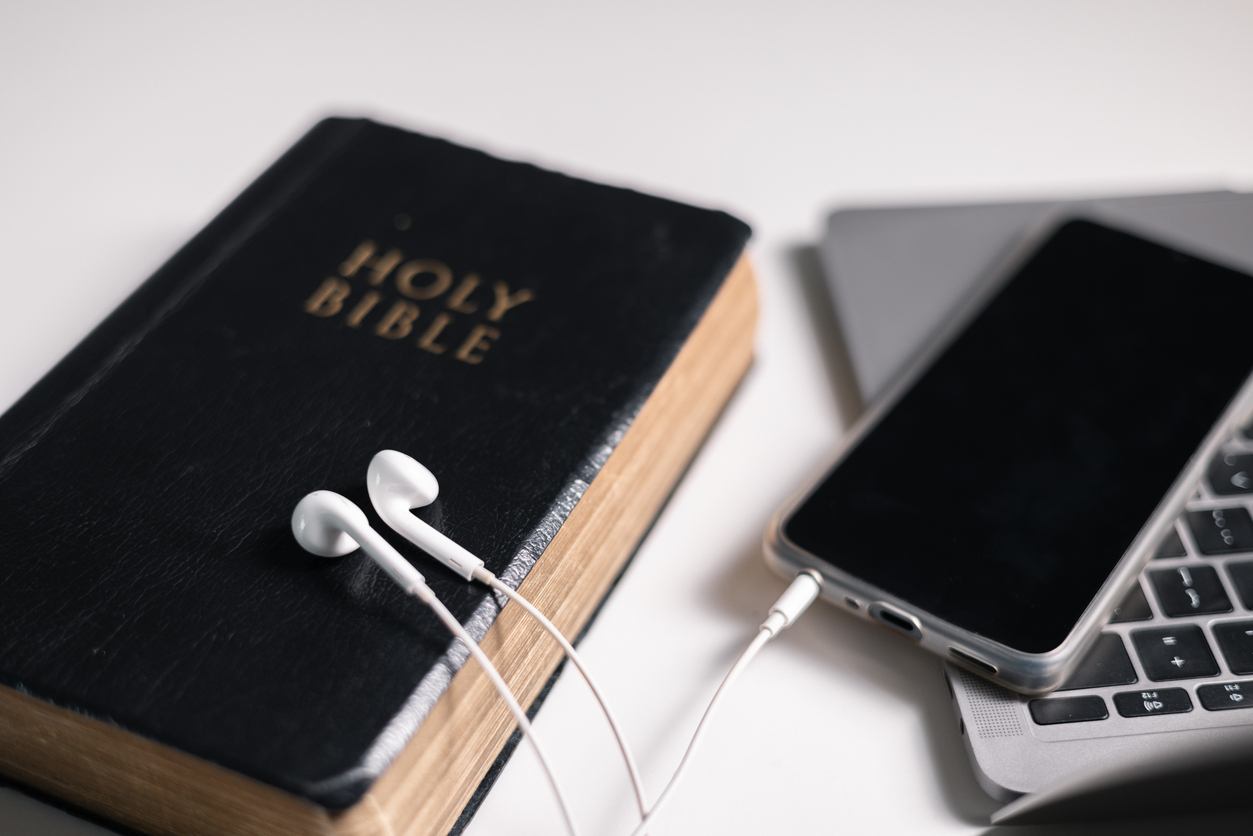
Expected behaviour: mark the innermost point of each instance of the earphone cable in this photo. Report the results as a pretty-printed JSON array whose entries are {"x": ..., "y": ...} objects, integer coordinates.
[
  {"x": 424, "y": 593},
  {"x": 398, "y": 483},
  {"x": 329, "y": 525},
  {"x": 794, "y": 601},
  {"x": 637, "y": 782},
  {"x": 756, "y": 645}
]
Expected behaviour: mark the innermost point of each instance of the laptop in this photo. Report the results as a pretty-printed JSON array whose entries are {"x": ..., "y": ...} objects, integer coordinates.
[{"x": 1159, "y": 716}]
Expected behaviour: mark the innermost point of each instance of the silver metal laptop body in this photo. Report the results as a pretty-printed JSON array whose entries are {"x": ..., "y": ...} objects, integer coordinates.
[{"x": 1171, "y": 677}]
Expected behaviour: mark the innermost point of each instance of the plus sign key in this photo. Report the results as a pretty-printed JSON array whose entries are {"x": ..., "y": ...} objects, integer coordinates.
[{"x": 1179, "y": 652}]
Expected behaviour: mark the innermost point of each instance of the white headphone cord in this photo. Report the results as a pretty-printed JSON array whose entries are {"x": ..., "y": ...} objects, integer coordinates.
[
  {"x": 424, "y": 593},
  {"x": 794, "y": 601},
  {"x": 637, "y": 783},
  {"x": 329, "y": 525},
  {"x": 399, "y": 483}
]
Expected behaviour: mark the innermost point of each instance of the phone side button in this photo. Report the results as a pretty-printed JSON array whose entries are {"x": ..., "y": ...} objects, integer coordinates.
[{"x": 1049, "y": 712}]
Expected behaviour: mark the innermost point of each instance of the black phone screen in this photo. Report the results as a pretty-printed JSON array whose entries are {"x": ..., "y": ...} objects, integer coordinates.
[{"x": 1002, "y": 488}]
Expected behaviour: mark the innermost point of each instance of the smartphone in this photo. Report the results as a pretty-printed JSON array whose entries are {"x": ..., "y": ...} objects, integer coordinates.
[{"x": 1001, "y": 499}]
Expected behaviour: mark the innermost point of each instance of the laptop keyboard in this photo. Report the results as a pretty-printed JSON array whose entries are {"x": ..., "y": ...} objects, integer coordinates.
[{"x": 1179, "y": 642}]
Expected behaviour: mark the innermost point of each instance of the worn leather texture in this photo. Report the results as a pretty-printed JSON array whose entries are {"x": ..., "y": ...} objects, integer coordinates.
[{"x": 148, "y": 576}]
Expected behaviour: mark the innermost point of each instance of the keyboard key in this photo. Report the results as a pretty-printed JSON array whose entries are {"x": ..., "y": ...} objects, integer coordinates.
[
  {"x": 1222, "y": 530},
  {"x": 1235, "y": 640},
  {"x": 1067, "y": 710},
  {"x": 1178, "y": 652},
  {"x": 1190, "y": 590},
  {"x": 1227, "y": 695},
  {"x": 1135, "y": 607},
  {"x": 1148, "y": 703},
  {"x": 1107, "y": 663},
  {"x": 1231, "y": 473},
  {"x": 1242, "y": 578},
  {"x": 1171, "y": 546}
]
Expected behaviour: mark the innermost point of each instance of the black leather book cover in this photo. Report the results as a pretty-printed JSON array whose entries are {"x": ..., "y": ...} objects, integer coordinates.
[{"x": 374, "y": 289}]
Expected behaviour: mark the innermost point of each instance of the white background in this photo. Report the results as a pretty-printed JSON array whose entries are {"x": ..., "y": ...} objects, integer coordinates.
[{"x": 124, "y": 127}]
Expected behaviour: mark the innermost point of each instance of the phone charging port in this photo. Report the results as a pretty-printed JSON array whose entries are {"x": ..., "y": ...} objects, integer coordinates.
[{"x": 898, "y": 621}]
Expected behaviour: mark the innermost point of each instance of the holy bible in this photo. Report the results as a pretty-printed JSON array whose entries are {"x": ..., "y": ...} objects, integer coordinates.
[{"x": 554, "y": 350}]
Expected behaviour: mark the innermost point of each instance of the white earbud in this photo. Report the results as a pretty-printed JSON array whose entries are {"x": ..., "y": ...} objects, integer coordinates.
[
  {"x": 398, "y": 483},
  {"x": 330, "y": 525}
]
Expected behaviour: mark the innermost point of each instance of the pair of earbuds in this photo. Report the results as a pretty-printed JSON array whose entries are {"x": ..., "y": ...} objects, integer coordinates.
[{"x": 330, "y": 525}]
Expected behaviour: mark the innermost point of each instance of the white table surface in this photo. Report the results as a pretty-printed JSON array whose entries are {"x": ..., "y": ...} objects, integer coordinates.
[{"x": 124, "y": 127}]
